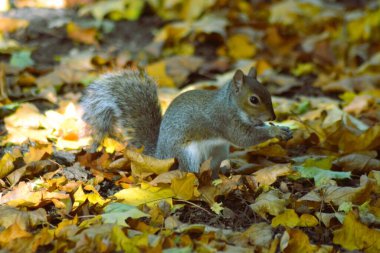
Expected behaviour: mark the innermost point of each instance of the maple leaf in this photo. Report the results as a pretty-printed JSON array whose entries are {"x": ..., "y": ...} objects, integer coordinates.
[
  {"x": 354, "y": 235},
  {"x": 145, "y": 195}
]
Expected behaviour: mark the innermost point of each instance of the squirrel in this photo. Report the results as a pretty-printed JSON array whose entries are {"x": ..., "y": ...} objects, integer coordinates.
[{"x": 198, "y": 124}]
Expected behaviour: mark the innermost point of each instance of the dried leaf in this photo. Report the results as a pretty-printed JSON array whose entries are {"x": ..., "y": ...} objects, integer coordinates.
[{"x": 353, "y": 235}]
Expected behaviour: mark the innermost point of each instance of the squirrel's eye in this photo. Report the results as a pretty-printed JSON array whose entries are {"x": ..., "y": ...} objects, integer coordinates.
[{"x": 254, "y": 100}]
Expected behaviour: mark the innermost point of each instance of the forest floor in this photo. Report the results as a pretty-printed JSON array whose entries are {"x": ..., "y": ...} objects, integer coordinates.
[{"x": 318, "y": 192}]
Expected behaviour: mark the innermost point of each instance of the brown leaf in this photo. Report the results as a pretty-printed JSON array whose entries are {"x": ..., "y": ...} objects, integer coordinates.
[
  {"x": 24, "y": 219},
  {"x": 11, "y": 24},
  {"x": 358, "y": 163},
  {"x": 269, "y": 175},
  {"x": 79, "y": 34}
]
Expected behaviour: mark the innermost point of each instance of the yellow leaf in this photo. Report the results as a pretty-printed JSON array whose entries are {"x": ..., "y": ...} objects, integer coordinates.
[
  {"x": 83, "y": 35},
  {"x": 26, "y": 123},
  {"x": 365, "y": 26},
  {"x": 25, "y": 195},
  {"x": 240, "y": 47},
  {"x": 262, "y": 66},
  {"x": 11, "y": 24},
  {"x": 303, "y": 69},
  {"x": 299, "y": 242},
  {"x": 308, "y": 220},
  {"x": 143, "y": 165},
  {"x": 79, "y": 197},
  {"x": 158, "y": 71},
  {"x": 112, "y": 145},
  {"x": 122, "y": 242},
  {"x": 173, "y": 32},
  {"x": 289, "y": 218},
  {"x": 12, "y": 233},
  {"x": 6, "y": 165},
  {"x": 145, "y": 195},
  {"x": 354, "y": 235},
  {"x": 192, "y": 9},
  {"x": 93, "y": 197},
  {"x": 184, "y": 187},
  {"x": 38, "y": 152}
]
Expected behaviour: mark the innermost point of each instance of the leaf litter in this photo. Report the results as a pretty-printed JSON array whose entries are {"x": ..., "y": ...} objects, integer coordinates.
[{"x": 319, "y": 192}]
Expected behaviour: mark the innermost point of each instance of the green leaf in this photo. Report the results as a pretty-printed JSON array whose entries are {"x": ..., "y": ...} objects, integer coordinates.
[
  {"x": 321, "y": 176},
  {"x": 302, "y": 107},
  {"x": 22, "y": 59},
  {"x": 117, "y": 213},
  {"x": 345, "y": 207}
]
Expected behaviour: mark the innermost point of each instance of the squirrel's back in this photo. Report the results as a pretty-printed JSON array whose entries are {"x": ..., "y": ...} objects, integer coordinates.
[{"x": 124, "y": 103}]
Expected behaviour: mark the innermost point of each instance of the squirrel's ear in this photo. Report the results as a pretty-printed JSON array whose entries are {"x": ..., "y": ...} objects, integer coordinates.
[
  {"x": 252, "y": 72},
  {"x": 238, "y": 80}
]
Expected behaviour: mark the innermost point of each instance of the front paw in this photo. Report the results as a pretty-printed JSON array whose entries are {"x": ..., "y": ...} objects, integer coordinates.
[
  {"x": 284, "y": 133},
  {"x": 281, "y": 132}
]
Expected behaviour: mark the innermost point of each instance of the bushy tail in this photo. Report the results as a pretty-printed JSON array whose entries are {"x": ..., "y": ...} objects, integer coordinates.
[{"x": 127, "y": 103}]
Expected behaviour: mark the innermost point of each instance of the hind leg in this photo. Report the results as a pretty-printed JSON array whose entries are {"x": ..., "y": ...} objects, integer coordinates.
[{"x": 218, "y": 154}]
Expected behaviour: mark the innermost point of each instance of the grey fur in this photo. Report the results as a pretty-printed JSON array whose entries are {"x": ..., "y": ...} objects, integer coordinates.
[
  {"x": 198, "y": 124},
  {"x": 124, "y": 103},
  {"x": 203, "y": 115}
]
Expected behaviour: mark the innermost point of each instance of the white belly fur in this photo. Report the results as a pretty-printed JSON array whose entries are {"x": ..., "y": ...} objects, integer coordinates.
[{"x": 199, "y": 151}]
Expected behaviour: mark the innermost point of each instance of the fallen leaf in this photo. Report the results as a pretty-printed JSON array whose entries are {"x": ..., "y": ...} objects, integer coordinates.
[
  {"x": 357, "y": 162},
  {"x": 269, "y": 175},
  {"x": 37, "y": 153},
  {"x": 353, "y": 235},
  {"x": 167, "y": 177},
  {"x": 296, "y": 241},
  {"x": 118, "y": 213},
  {"x": 83, "y": 35},
  {"x": 11, "y": 24},
  {"x": 145, "y": 195},
  {"x": 24, "y": 219},
  {"x": 94, "y": 198},
  {"x": 143, "y": 165},
  {"x": 6, "y": 163},
  {"x": 184, "y": 188},
  {"x": 158, "y": 71},
  {"x": 259, "y": 234},
  {"x": 338, "y": 195},
  {"x": 217, "y": 208},
  {"x": 321, "y": 176},
  {"x": 24, "y": 195},
  {"x": 240, "y": 46},
  {"x": 22, "y": 59},
  {"x": 272, "y": 202},
  {"x": 288, "y": 218},
  {"x": 11, "y": 233}
]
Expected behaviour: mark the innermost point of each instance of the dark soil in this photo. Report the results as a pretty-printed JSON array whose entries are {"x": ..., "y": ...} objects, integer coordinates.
[{"x": 46, "y": 34}]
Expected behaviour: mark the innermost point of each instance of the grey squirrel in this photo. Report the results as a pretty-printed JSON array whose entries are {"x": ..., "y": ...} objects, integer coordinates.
[{"x": 198, "y": 125}]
